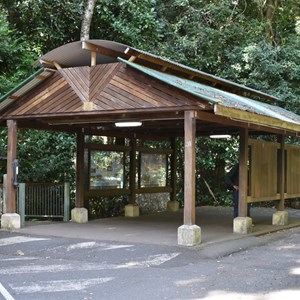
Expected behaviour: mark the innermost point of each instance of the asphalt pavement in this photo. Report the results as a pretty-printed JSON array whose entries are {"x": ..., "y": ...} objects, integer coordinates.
[{"x": 138, "y": 258}]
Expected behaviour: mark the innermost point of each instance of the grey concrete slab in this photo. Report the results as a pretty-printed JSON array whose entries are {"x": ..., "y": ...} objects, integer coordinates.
[{"x": 161, "y": 228}]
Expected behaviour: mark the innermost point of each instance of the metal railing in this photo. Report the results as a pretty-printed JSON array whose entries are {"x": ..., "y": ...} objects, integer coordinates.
[
  {"x": 41, "y": 200},
  {"x": 44, "y": 200}
]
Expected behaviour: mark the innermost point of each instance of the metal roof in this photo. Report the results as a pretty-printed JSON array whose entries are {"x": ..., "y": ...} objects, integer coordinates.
[
  {"x": 25, "y": 86},
  {"x": 73, "y": 54},
  {"x": 208, "y": 76},
  {"x": 220, "y": 97}
]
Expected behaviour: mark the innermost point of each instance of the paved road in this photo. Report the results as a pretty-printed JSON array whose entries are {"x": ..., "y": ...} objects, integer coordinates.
[{"x": 37, "y": 267}]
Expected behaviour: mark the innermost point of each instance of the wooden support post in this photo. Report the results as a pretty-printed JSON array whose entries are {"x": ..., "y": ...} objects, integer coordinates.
[
  {"x": 132, "y": 209},
  {"x": 189, "y": 234},
  {"x": 93, "y": 58},
  {"x": 57, "y": 65},
  {"x": 280, "y": 217},
  {"x": 173, "y": 204},
  {"x": 80, "y": 171},
  {"x": 79, "y": 214},
  {"x": 11, "y": 156},
  {"x": 173, "y": 170},
  {"x": 281, "y": 173},
  {"x": 189, "y": 167},
  {"x": 243, "y": 172},
  {"x": 132, "y": 172}
]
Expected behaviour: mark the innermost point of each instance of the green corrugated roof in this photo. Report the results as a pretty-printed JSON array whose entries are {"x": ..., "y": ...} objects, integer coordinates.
[
  {"x": 214, "y": 95},
  {"x": 182, "y": 84},
  {"x": 9, "y": 93},
  {"x": 24, "y": 87},
  {"x": 210, "y": 76}
]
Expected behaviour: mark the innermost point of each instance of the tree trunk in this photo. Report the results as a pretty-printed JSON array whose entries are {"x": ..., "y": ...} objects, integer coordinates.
[
  {"x": 271, "y": 7},
  {"x": 267, "y": 9},
  {"x": 87, "y": 19}
]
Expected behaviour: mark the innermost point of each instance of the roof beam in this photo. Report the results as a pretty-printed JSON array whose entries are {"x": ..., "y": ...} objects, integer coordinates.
[
  {"x": 252, "y": 118},
  {"x": 103, "y": 50},
  {"x": 227, "y": 121}
]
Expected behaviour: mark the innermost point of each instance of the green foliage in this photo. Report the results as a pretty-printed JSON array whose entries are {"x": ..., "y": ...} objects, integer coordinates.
[
  {"x": 132, "y": 22},
  {"x": 103, "y": 207},
  {"x": 274, "y": 70},
  {"x": 52, "y": 22},
  {"x": 199, "y": 33},
  {"x": 213, "y": 158},
  {"x": 55, "y": 22},
  {"x": 46, "y": 156},
  {"x": 16, "y": 57}
]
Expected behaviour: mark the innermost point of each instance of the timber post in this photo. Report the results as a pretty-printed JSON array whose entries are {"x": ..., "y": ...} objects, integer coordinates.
[
  {"x": 189, "y": 234},
  {"x": 10, "y": 219},
  {"x": 173, "y": 204},
  {"x": 132, "y": 209},
  {"x": 79, "y": 214},
  {"x": 280, "y": 217},
  {"x": 243, "y": 224}
]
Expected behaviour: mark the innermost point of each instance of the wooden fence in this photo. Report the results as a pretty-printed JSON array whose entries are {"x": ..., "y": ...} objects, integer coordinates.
[{"x": 264, "y": 176}]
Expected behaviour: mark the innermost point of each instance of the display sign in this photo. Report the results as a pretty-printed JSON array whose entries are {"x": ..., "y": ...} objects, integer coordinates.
[
  {"x": 153, "y": 170},
  {"x": 106, "y": 169}
]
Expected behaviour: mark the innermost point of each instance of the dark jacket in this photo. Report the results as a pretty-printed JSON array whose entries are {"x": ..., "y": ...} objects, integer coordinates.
[{"x": 232, "y": 177}]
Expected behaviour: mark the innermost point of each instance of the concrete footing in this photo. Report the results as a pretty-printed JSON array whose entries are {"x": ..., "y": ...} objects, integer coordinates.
[
  {"x": 10, "y": 221},
  {"x": 280, "y": 218},
  {"x": 132, "y": 210},
  {"x": 242, "y": 225},
  {"x": 189, "y": 235},
  {"x": 173, "y": 206},
  {"x": 79, "y": 215}
]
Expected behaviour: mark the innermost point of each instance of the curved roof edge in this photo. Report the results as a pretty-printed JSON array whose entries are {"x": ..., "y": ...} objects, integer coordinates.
[{"x": 75, "y": 54}]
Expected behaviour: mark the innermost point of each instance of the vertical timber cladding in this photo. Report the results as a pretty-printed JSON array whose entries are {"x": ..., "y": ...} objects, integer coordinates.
[
  {"x": 263, "y": 170},
  {"x": 292, "y": 171}
]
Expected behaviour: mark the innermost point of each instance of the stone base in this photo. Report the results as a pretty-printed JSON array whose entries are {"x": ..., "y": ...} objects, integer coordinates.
[
  {"x": 189, "y": 235},
  {"x": 172, "y": 206},
  {"x": 132, "y": 210},
  {"x": 79, "y": 215},
  {"x": 280, "y": 218},
  {"x": 242, "y": 225},
  {"x": 10, "y": 221}
]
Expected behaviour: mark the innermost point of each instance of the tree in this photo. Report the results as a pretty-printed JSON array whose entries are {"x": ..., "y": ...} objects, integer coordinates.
[
  {"x": 87, "y": 20},
  {"x": 279, "y": 18},
  {"x": 52, "y": 22},
  {"x": 16, "y": 57},
  {"x": 133, "y": 22}
]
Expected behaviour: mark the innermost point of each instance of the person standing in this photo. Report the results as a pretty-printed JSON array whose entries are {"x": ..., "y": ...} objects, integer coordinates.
[{"x": 232, "y": 182}]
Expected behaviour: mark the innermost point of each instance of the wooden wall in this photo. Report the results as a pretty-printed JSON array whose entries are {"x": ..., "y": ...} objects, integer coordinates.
[
  {"x": 293, "y": 171},
  {"x": 264, "y": 167}
]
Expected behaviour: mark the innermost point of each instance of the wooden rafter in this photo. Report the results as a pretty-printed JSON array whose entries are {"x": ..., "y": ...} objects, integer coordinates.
[{"x": 103, "y": 50}]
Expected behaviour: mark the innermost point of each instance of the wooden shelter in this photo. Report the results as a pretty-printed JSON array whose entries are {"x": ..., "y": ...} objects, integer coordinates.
[{"x": 86, "y": 87}]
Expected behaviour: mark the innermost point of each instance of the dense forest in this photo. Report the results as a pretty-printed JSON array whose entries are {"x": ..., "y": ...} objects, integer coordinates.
[{"x": 252, "y": 42}]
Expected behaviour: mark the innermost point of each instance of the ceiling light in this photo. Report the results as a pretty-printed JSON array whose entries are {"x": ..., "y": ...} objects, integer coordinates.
[
  {"x": 220, "y": 136},
  {"x": 128, "y": 124}
]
